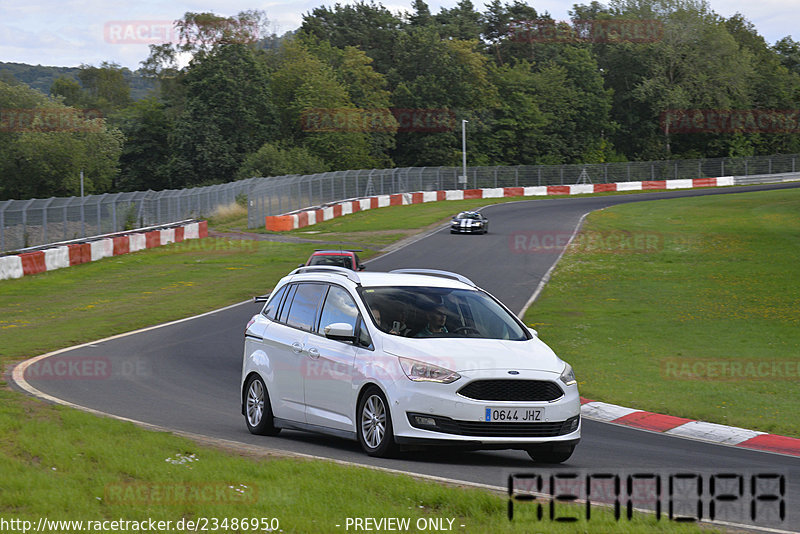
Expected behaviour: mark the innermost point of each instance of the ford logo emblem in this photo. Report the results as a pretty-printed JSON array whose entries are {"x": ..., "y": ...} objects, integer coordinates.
[{"x": 513, "y": 372}]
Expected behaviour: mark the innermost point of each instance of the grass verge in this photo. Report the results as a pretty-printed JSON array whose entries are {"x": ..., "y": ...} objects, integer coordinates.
[{"x": 699, "y": 319}]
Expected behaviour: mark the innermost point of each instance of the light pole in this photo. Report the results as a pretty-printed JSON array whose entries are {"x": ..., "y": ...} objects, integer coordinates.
[{"x": 464, "y": 149}]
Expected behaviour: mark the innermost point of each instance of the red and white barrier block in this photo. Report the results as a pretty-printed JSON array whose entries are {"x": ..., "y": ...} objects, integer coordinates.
[
  {"x": 688, "y": 428},
  {"x": 308, "y": 217},
  {"x": 58, "y": 257}
]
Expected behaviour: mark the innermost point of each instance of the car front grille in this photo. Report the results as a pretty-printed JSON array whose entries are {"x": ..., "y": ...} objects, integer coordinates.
[
  {"x": 512, "y": 390},
  {"x": 497, "y": 430}
]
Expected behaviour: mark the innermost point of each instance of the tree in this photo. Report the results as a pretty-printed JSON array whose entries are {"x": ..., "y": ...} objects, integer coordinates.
[
  {"x": 440, "y": 82},
  {"x": 46, "y": 144},
  {"x": 461, "y": 22},
  {"x": 370, "y": 27},
  {"x": 146, "y": 153},
  {"x": 316, "y": 110},
  {"x": 789, "y": 52},
  {"x": 366, "y": 89},
  {"x": 421, "y": 15},
  {"x": 70, "y": 91},
  {"x": 227, "y": 114},
  {"x": 272, "y": 160},
  {"x": 106, "y": 86}
]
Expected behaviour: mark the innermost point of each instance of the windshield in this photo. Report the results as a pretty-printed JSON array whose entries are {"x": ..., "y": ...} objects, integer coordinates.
[{"x": 440, "y": 312}]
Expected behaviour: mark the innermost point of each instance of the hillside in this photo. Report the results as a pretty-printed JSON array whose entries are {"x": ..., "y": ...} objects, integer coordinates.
[{"x": 41, "y": 77}]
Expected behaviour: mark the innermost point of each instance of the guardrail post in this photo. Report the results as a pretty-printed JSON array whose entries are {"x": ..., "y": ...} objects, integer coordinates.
[
  {"x": 2, "y": 228},
  {"x": 44, "y": 220}
]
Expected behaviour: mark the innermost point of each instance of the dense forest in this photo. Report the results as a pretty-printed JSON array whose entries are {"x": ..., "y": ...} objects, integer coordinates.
[{"x": 358, "y": 86}]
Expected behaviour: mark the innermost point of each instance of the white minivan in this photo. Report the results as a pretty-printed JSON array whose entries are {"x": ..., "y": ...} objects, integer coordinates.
[{"x": 408, "y": 357}]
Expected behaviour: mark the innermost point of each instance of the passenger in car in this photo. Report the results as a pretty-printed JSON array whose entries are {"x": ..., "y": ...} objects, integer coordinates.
[
  {"x": 398, "y": 324},
  {"x": 437, "y": 317}
]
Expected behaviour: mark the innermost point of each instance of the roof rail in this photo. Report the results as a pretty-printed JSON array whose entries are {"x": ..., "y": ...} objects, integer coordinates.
[
  {"x": 436, "y": 272},
  {"x": 330, "y": 269}
]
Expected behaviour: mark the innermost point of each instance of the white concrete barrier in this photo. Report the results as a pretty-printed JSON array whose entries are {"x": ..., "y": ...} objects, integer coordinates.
[{"x": 56, "y": 258}]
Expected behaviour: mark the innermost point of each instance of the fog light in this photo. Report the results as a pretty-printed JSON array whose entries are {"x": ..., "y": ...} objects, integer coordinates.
[{"x": 425, "y": 421}]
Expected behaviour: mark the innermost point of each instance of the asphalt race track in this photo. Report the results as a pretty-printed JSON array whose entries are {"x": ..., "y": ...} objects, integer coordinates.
[{"x": 185, "y": 376}]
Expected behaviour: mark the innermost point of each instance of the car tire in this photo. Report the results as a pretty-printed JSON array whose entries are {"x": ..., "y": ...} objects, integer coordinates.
[
  {"x": 257, "y": 408},
  {"x": 374, "y": 424},
  {"x": 551, "y": 453}
]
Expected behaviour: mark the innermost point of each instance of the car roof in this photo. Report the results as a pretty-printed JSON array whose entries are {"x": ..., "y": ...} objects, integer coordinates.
[
  {"x": 333, "y": 252},
  {"x": 377, "y": 279}
]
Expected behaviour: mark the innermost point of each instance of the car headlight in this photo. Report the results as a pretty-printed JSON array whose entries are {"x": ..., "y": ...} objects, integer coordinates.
[
  {"x": 568, "y": 375},
  {"x": 418, "y": 371}
]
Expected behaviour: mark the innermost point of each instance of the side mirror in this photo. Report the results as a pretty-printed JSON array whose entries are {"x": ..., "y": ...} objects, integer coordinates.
[
  {"x": 361, "y": 267},
  {"x": 340, "y": 332},
  {"x": 533, "y": 332}
]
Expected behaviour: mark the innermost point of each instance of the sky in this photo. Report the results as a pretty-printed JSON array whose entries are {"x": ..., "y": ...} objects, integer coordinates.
[{"x": 67, "y": 33}]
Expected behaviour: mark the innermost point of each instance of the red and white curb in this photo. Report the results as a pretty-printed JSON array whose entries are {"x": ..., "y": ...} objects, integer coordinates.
[
  {"x": 688, "y": 428},
  {"x": 307, "y": 217},
  {"x": 58, "y": 257}
]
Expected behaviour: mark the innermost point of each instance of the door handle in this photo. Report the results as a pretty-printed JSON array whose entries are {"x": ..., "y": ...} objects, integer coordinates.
[
  {"x": 297, "y": 348},
  {"x": 313, "y": 352}
]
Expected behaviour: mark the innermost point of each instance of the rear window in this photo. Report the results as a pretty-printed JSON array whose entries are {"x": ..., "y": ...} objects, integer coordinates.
[{"x": 335, "y": 261}]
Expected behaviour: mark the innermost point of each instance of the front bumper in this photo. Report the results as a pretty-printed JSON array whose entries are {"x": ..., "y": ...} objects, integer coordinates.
[
  {"x": 431, "y": 413},
  {"x": 466, "y": 229}
]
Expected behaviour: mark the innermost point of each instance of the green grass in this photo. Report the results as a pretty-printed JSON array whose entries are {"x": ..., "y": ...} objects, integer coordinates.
[
  {"x": 719, "y": 286},
  {"x": 123, "y": 293},
  {"x": 67, "y": 465}
]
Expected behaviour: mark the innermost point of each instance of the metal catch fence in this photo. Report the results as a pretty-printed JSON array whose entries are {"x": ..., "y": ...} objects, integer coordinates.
[{"x": 36, "y": 222}]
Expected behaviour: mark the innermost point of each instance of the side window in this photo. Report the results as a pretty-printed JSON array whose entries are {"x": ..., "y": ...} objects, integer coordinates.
[
  {"x": 339, "y": 307},
  {"x": 364, "y": 339},
  {"x": 271, "y": 309},
  {"x": 304, "y": 306},
  {"x": 287, "y": 303}
]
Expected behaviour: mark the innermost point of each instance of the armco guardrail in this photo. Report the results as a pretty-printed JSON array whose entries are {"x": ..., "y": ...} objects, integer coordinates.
[
  {"x": 61, "y": 255},
  {"x": 36, "y": 222},
  {"x": 309, "y": 216},
  {"x": 766, "y": 178},
  {"x": 283, "y": 194}
]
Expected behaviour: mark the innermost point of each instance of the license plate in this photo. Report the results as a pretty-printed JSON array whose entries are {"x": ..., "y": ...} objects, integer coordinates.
[{"x": 514, "y": 415}]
